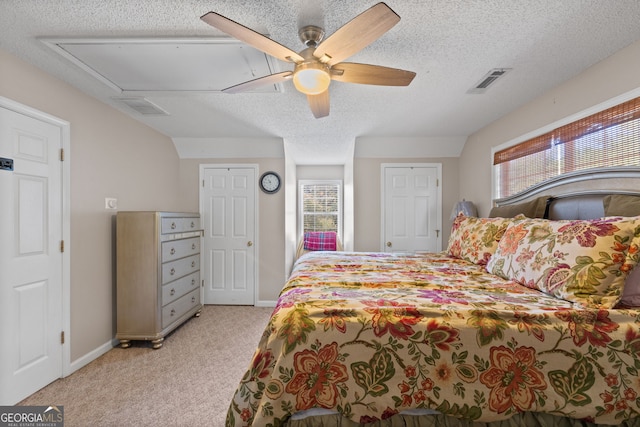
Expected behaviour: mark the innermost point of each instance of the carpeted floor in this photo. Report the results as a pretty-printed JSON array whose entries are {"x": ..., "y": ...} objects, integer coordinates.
[{"x": 188, "y": 382}]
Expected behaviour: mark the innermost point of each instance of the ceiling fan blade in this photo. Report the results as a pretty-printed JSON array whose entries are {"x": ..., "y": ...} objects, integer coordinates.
[
  {"x": 356, "y": 34},
  {"x": 350, "y": 72},
  {"x": 262, "y": 81},
  {"x": 319, "y": 104},
  {"x": 247, "y": 35}
]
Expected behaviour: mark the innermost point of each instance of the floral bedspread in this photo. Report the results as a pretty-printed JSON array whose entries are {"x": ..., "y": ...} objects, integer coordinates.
[{"x": 374, "y": 334}]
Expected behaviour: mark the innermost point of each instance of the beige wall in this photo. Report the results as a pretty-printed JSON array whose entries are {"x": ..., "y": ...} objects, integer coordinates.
[
  {"x": 271, "y": 239},
  {"x": 367, "y": 201},
  {"x": 615, "y": 76},
  {"x": 111, "y": 155}
]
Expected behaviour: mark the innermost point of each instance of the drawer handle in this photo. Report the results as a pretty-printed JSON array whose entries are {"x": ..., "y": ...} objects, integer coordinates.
[
  {"x": 172, "y": 271},
  {"x": 173, "y": 291},
  {"x": 193, "y": 264},
  {"x": 193, "y": 299},
  {"x": 172, "y": 251},
  {"x": 173, "y": 312},
  {"x": 173, "y": 225},
  {"x": 193, "y": 224},
  {"x": 193, "y": 246},
  {"x": 193, "y": 282}
]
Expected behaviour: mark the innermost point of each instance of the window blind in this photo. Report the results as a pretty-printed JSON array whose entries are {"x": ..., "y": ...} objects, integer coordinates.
[
  {"x": 320, "y": 207},
  {"x": 608, "y": 138}
]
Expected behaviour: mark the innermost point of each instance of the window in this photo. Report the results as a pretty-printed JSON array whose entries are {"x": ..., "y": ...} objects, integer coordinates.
[
  {"x": 320, "y": 206},
  {"x": 605, "y": 139}
]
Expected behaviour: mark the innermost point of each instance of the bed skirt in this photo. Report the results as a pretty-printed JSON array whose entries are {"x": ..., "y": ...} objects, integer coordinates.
[{"x": 528, "y": 419}]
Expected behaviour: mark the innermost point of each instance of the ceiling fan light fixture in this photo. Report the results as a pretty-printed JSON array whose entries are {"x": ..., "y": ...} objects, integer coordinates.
[
  {"x": 322, "y": 60},
  {"x": 311, "y": 78}
]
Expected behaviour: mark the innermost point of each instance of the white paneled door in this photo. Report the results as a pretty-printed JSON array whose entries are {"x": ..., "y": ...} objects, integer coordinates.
[
  {"x": 411, "y": 206},
  {"x": 31, "y": 263},
  {"x": 228, "y": 205}
]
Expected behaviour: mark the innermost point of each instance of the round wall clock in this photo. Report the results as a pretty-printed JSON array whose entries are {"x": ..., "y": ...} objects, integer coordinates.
[{"x": 270, "y": 182}]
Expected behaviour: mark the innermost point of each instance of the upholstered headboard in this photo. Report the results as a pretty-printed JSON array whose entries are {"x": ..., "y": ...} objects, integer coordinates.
[{"x": 583, "y": 195}]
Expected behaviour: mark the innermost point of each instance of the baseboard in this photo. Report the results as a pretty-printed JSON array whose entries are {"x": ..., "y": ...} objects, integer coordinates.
[
  {"x": 265, "y": 303},
  {"x": 92, "y": 355}
]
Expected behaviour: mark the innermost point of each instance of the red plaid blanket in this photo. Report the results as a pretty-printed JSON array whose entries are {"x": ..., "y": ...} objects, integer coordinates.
[{"x": 320, "y": 241}]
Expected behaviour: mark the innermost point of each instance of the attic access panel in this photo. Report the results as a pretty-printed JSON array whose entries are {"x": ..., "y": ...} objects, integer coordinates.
[{"x": 132, "y": 65}]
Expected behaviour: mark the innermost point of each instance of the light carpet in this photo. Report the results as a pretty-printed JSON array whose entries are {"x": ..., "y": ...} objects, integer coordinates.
[{"x": 190, "y": 381}]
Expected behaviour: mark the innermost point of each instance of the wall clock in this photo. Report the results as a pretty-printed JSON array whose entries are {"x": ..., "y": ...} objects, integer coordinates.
[{"x": 270, "y": 182}]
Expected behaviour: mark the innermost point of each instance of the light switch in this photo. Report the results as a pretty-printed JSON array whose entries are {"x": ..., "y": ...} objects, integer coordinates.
[{"x": 110, "y": 203}]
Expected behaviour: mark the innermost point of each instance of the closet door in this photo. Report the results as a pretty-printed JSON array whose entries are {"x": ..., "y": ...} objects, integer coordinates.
[
  {"x": 228, "y": 205},
  {"x": 411, "y": 208},
  {"x": 31, "y": 257}
]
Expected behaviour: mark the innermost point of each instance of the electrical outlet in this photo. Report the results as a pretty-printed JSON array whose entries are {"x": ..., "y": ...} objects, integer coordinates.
[{"x": 110, "y": 203}]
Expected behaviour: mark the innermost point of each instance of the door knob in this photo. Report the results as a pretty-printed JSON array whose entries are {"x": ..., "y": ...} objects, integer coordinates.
[
  {"x": 249, "y": 243},
  {"x": 388, "y": 244}
]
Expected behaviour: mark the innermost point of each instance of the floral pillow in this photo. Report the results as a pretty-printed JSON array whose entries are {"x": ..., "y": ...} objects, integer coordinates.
[
  {"x": 582, "y": 261},
  {"x": 476, "y": 239}
]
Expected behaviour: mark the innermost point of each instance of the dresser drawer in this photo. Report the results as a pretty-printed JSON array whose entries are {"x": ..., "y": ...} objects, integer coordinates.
[
  {"x": 174, "y": 249},
  {"x": 180, "y": 224},
  {"x": 173, "y": 270},
  {"x": 175, "y": 310},
  {"x": 174, "y": 290}
]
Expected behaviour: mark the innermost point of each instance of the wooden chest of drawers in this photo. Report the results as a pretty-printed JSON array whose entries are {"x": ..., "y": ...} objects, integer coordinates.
[{"x": 158, "y": 274}]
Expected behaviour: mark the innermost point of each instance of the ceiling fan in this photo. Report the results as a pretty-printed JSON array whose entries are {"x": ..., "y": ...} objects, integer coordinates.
[{"x": 320, "y": 62}]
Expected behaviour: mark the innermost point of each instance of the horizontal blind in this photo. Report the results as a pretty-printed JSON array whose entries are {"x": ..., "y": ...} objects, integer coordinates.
[
  {"x": 604, "y": 139},
  {"x": 320, "y": 207}
]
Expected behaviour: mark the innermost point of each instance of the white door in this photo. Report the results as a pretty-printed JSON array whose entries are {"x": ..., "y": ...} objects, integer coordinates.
[
  {"x": 30, "y": 255},
  {"x": 411, "y": 206},
  {"x": 228, "y": 202}
]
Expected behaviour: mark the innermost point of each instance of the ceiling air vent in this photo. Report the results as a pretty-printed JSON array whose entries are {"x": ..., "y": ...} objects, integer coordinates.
[
  {"x": 142, "y": 106},
  {"x": 489, "y": 79}
]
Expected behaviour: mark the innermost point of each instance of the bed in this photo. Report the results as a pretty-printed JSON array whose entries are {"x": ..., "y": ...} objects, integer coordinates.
[{"x": 521, "y": 321}]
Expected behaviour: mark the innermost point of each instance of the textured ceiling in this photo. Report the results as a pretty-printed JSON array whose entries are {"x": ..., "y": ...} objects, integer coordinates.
[{"x": 450, "y": 44}]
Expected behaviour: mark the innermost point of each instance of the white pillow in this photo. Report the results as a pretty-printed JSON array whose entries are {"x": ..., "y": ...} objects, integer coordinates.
[{"x": 631, "y": 291}]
